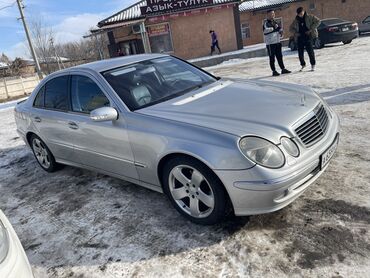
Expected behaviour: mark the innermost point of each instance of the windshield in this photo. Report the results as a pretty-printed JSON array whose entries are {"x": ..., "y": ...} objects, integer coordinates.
[{"x": 153, "y": 81}]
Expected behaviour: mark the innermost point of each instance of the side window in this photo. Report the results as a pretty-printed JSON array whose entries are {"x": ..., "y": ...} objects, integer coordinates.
[
  {"x": 56, "y": 93},
  {"x": 40, "y": 98},
  {"x": 86, "y": 95},
  {"x": 367, "y": 20}
]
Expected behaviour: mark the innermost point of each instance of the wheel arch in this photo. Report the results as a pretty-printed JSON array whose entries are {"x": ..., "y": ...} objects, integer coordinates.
[
  {"x": 169, "y": 156},
  {"x": 28, "y": 137}
]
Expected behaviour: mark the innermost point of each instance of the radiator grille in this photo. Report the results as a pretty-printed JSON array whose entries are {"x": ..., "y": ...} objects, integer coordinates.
[{"x": 314, "y": 129}]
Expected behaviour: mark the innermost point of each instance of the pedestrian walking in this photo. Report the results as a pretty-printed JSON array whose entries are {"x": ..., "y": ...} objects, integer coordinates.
[
  {"x": 304, "y": 29},
  {"x": 214, "y": 44},
  {"x": 273, "y": 34}
]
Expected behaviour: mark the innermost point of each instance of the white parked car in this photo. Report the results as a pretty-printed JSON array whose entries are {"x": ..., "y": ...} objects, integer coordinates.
[{"x": 13, "y": 259}]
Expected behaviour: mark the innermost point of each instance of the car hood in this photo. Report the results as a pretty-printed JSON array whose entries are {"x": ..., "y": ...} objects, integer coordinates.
[{"x": 241, "y": 108}]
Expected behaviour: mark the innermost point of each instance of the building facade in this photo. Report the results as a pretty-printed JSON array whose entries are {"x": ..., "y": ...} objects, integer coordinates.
[
  {"x": 253, "y": 13},
  {"x": 181, "y": 28}
]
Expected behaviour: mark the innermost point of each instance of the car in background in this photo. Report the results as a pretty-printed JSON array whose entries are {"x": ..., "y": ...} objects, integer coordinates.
[
  {"x": 364, "y": 26},
  {"x": 213, "y": 146},
  {"x": 332, "y": 30},
  {"x": 13, "y": 259}
]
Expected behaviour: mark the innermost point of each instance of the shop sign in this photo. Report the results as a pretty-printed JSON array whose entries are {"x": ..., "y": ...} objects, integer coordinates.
[
  {"x": 163, "y": 6},
  {"x": 156, "y": 30}
]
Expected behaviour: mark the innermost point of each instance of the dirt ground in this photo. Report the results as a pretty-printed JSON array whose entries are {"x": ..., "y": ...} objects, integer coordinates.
[{"x": 77, "y": 223}]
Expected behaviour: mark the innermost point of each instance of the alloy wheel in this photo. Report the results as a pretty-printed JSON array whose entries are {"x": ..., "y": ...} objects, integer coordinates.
[
  {"x": 41, "y": 153},
  {"x": 191, "y": 191}
]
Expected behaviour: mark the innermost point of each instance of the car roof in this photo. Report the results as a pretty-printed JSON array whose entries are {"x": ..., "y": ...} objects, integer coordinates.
[{"x": 104, "y": 65}]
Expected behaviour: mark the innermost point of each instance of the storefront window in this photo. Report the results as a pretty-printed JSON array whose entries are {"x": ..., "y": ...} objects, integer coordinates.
[
  {"x": 246, "y": 32},
  {"x": 160, "y": 38}
]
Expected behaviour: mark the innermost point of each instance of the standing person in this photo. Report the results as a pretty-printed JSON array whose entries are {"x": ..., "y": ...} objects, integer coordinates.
[
  {"x": 304, "y": 28},
  {"x": 214, "y": 42},
  {"x": 273, "y": 33}
]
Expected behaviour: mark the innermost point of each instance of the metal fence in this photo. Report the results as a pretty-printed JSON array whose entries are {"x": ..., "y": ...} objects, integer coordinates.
[{"x": 14, "y": 87}]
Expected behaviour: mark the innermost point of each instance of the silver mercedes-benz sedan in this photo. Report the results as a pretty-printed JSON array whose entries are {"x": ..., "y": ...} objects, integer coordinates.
[{"x": 211, "y": 145}]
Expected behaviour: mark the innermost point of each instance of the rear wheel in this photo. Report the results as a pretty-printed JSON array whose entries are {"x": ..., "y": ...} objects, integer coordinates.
[
  {"x": 347, "y": 42},
  {"x": 43, "y": 155},
  {"x": 194, "y": 190}
]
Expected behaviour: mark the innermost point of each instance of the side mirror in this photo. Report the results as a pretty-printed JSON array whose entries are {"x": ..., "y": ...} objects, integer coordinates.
[{"x": 104, "y": 114}]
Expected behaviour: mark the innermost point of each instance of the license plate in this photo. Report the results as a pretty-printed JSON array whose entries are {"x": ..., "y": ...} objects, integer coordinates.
[
  {"x": 326, "y": 156},
  {"x": 345, "y": 29}
]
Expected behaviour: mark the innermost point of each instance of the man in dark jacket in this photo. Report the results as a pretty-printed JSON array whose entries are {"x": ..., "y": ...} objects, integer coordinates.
[
  {"x": 273, "y": 33},
  {"x": 214, "y": 42},
  {"x": 304, "y": 28}
]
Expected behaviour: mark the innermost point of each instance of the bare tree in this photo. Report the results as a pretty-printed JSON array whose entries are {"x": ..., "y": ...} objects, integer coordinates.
[{"x": 42, "y": 35}]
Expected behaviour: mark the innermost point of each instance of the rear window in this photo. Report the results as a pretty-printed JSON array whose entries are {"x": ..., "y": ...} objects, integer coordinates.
[{"x": 56, "y": 93}]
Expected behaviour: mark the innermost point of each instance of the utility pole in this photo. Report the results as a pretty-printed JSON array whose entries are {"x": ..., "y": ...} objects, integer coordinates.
[
  {"x": 38, "y": 69},
  {"x": 55, "y": 53}
]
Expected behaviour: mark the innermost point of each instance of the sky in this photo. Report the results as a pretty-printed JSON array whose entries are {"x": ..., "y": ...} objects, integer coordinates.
[{"x": 69, "y": 19}]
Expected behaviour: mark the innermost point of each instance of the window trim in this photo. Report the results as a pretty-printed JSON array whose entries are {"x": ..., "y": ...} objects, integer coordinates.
[
  {"x": 42, "y": 89},
  {"x": 70, "y": 93}
]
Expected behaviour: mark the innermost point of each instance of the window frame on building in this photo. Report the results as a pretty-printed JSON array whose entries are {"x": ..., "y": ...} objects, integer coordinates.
[
  {"x": 169, "y": 33},
  {"x": 248, "y": 28}
]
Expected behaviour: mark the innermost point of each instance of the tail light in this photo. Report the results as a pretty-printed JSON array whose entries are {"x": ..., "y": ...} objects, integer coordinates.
[
  {"x": 333, "y": 29},
  {"x": 355, "y": 26}
]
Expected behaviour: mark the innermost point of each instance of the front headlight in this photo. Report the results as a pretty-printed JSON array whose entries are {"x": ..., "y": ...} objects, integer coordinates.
[
  {"x": 262, "y": 152},
  {"x": 4, "y": 242}
]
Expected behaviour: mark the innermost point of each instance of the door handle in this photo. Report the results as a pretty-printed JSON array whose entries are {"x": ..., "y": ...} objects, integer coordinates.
[
  {"x": 72, "y": 125},
  {"x": 37, "y": 119}
]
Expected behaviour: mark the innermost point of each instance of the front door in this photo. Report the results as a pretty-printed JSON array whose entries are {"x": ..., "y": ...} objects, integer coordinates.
[{"x": 101, "y": 145}]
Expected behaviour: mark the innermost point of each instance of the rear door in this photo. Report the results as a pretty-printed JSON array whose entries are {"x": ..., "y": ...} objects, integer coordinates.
[
  {"x": 51, "y": 118},
  {"x": 101, "y": 145}
]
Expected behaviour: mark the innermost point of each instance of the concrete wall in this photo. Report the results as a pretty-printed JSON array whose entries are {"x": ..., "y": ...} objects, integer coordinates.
[
  {"x": 355, "y": 10},
  {"x": 13, "y": 87}
]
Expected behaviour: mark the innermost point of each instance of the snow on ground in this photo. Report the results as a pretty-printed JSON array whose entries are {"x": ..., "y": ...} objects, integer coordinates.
[{"x": 77, "y": 223}]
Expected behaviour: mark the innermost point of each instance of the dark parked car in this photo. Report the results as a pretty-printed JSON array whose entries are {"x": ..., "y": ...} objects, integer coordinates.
[
  {"x": 332, "y": 30},
  {"x": 364, "y": 27}
]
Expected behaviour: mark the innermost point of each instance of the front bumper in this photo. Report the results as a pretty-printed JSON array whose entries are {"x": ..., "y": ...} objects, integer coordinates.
[
  {"x": 16, "y": 264},
  {"x": 250, "y": 194}
]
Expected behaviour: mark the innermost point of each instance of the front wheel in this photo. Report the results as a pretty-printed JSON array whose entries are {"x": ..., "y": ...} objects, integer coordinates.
[
  {"x": 347, "y": 42},
  {"x": 43, "y": 155},
  {"x": 194, "y": 190}
]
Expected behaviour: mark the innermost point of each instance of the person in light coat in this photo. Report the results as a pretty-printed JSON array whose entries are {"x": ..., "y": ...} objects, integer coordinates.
[{"x": 273, "y": 32}]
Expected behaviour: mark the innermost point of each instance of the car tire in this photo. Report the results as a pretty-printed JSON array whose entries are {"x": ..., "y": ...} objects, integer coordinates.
[
  {"x": 347, "y": 42},
  {"x": 43, "y": 155},
  {"x": 195, "y": 191}
]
